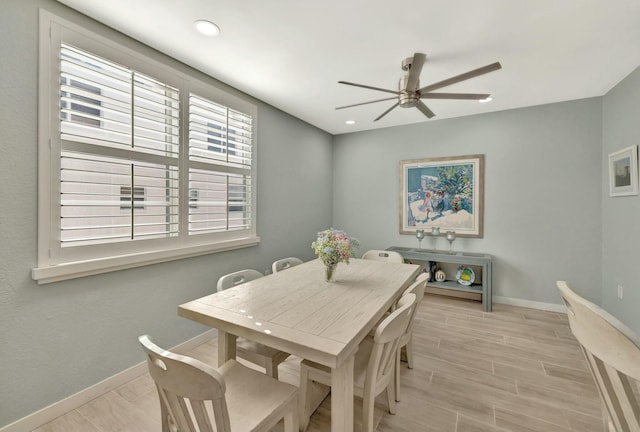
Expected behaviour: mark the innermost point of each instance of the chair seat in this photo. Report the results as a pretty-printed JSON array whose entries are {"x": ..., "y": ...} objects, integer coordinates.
[{"x": 253, "y": 398}]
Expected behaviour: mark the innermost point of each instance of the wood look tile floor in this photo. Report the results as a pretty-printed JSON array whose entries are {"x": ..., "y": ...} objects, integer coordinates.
[{"x": 514, "y": 369}]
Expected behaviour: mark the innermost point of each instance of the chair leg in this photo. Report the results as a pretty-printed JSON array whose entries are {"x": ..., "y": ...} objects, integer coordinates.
[
  {"x": 368, "y": 401},
  {"x": 607, "y": 424},
  {"x": 409, "y": 349},
  {"x": 291, "y": 419},
  {"x": 304, "y": 399},
  {"x": 396, "y": 376},
  {"x": 271, "y": 368},
  {"x": 391, "y": 398},
  {"x": 164, "y": 417}
]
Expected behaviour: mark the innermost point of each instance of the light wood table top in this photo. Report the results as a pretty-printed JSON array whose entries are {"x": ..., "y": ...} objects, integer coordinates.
[{"x": 297, "y": 311}]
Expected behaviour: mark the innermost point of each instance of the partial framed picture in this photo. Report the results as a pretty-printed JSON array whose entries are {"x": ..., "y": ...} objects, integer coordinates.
[
  {"x": 446, "y": 193},
  {"x": 623, "y": 172}
]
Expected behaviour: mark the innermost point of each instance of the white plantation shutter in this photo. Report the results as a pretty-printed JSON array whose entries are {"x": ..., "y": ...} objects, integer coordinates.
[
  {"x": 119, "y": 132},
  {"x": 219, "y": 167},
  {"x": 94, "y": 188},
  {"x": 139, "y": 163},
  {"x": 103, "y": 103}
]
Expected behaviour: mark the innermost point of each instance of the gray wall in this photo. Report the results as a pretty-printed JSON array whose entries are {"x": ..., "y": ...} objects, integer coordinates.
[
  {"x": 542, "y": 191},
  {"x": 621, "y": 215},
  {"x": 60, "y": 338}
]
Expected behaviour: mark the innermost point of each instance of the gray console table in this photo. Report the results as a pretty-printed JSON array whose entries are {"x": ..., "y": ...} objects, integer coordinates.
[{"x": 482, "y": 287}]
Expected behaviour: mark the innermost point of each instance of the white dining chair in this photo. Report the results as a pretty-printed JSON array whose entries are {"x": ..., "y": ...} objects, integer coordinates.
[
  {"x": 406, "y": 340},
  {"x": 374, "y": 366},
  {"x": 285, "y": 263},
  {"x": 265, "y": 356},
  {"x": 612, "y": 351},
  {"x": 195, "y": 396},
  {"x": 382, "y": 255}
]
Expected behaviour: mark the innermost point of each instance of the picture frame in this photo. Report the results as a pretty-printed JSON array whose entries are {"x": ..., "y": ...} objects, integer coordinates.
[
  {"x": 444, "y": 192},
  {"x": 623, "y": 172}
]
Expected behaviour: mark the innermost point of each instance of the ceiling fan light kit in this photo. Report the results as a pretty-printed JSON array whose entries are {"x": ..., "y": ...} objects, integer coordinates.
[{"x": 410, "y": 95}]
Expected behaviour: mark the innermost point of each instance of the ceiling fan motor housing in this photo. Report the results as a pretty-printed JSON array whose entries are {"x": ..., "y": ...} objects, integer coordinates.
[{"x": 408, "y": 99}]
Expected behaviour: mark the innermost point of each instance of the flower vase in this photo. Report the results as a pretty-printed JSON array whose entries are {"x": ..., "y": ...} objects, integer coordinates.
[{"x": 329, "y": 270}]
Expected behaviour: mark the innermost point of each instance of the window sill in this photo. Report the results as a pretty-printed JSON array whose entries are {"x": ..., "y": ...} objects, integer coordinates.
[{"x": 44, "y": 275}]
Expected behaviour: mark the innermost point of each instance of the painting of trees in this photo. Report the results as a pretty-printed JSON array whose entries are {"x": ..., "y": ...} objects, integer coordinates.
[{"x": 456, "y": 180}]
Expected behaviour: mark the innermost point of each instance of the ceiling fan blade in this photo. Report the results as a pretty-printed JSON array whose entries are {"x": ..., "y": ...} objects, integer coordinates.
[
  {"x": 425, "y": 109},
  {"x": 365, "y": 103},
  {"x": 387, "y": 111},
  {"x": 468, "y": 96},
  {"x": 414, "y": 72},
  {"x": 465, "y": 76},
  {"x": 368, "y": 87}
]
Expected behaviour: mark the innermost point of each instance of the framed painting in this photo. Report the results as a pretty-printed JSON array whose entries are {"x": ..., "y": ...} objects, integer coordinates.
[
  {"x": 623, "y": 172},
  {"x": 442, "y": 192}
]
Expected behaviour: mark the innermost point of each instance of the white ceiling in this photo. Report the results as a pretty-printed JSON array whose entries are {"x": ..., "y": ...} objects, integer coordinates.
[{"x": 292, "y": 53}]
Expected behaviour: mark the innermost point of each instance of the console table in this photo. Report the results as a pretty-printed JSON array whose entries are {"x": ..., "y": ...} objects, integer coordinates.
[{"x": 482, "y": 287}]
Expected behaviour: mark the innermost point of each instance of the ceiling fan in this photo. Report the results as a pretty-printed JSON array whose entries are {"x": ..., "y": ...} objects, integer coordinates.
[{"x": 409, "y": 94}]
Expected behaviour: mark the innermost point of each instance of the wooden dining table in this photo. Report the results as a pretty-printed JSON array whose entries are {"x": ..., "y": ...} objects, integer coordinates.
[{"x": 298, "y": 312}]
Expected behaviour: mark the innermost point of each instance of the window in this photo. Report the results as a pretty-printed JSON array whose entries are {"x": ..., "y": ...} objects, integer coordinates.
[{"x": 139, "y": 163}]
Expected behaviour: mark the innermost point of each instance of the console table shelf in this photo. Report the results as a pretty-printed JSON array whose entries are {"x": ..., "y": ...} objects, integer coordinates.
[{"x": 482, "y": 260}]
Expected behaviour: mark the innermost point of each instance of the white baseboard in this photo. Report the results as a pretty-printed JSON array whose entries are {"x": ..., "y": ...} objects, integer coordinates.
[
  {"x": 55, "y": 410},
  {"x": 552, "y": 307}
]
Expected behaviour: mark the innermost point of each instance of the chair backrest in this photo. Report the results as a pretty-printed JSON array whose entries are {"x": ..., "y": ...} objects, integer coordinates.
[
  {"x": 612, "y": 351},
  {"x": 385, "y": 343},
  {"x": 285, "y": 263},
  {"x": 188, "y": 390},
  {"x": 416, "y": 288},
  {"x": 382, "y": 255},
  {"x": 237, "y": 278}
]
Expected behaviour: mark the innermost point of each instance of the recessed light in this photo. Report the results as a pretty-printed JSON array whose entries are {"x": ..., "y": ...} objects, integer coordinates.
[
  {"x": 350, "y": 122},
  {"x": 488, "y": 99},
  {"x": 206, "y": 28}
]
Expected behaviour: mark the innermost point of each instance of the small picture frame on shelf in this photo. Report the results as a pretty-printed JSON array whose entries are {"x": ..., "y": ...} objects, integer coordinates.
[{"x": 623, "y": 172}]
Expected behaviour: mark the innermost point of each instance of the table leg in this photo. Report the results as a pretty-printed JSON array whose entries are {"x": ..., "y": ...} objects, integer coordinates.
[
  {"x": 226, "y": 347},
  {"x": 342, "y": 397}
]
